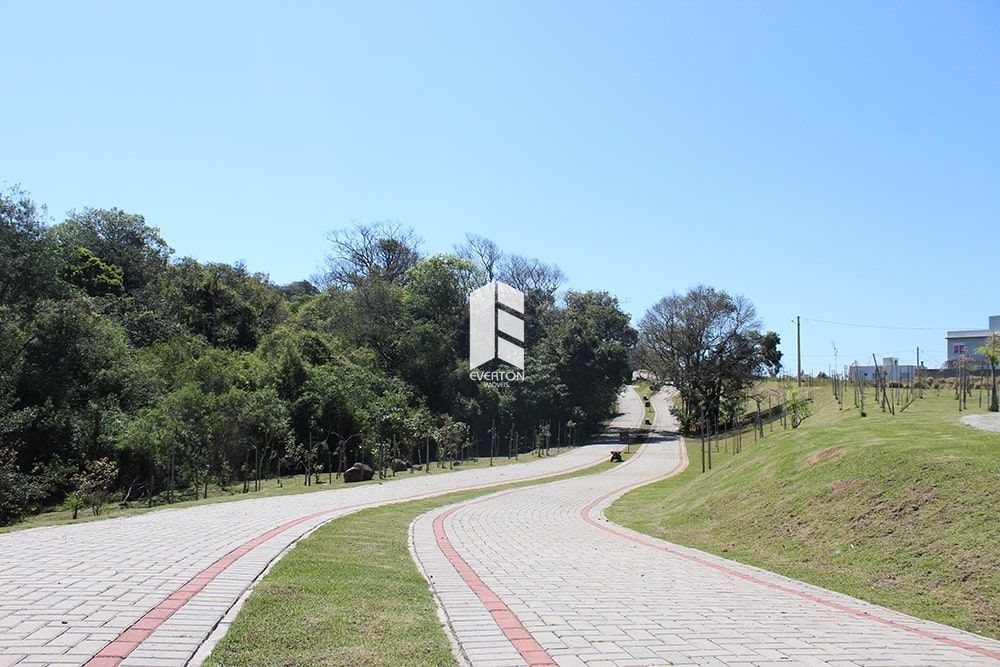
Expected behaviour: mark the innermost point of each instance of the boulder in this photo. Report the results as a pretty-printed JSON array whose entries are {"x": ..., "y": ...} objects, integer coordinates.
[
  {"x": 358, "y": 472},
  {"x": 399, "y": 465}
]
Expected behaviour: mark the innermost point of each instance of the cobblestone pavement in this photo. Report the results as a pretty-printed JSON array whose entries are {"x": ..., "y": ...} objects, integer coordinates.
[
  {"x": 537, "y": 576},
  {"x": 149, "y": 589}
]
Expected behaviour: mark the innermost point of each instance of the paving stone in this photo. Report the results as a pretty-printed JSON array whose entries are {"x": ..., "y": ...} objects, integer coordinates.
[
  {"x": 548, "y": 554},
  {"x": 59, "y": 585}
]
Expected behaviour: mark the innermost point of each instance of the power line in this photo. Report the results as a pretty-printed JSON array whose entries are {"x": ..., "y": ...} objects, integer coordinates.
[{"x": 873, "y": 326}]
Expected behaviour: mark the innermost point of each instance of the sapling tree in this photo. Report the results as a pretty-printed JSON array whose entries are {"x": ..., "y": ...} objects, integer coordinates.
[{"x": 450, "y": 436}]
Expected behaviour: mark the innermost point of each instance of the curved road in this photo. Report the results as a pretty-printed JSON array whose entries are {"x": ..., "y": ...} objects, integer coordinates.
[
  {"x": 537, "y": 576},
  {"x": 154, "y": 589}
]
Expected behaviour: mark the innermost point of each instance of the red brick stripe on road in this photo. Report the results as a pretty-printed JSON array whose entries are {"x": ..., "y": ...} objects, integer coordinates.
[
  {"x": 535, "y": 654},
  {"x": 509, "y": 623},
  {"x": 617, "y": 530},
  {"x": 529, "y": 648},
  {"x": 117, "y": 650}
]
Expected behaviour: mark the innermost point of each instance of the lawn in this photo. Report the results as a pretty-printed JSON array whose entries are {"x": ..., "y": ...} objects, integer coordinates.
[
  {"x": 349, "y": 594},
  {"x": 899, "y": 510},
  {"x": 290, "y": 485},
  {"x": 645, "y": 391}
]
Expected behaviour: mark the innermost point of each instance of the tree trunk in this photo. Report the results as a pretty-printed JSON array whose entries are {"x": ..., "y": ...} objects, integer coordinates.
[{"x": 994, "y": 404}]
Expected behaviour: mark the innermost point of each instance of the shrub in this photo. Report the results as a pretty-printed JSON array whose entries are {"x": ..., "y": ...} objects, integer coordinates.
[
  {"x": 18, "y": 492},
  {"x": 74, "y": 503},
  {"x": 796, "y": 407},
  {"x": 94, "y": 484}
]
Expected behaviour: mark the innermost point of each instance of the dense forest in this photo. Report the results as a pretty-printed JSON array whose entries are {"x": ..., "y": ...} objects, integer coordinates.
[{"x": 127, "y": 375}]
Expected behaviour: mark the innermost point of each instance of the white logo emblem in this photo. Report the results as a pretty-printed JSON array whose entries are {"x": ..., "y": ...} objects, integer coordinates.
[{"x": 487, "y": 320}]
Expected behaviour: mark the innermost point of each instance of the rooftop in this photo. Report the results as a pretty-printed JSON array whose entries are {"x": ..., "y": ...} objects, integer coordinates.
[{"x": 971, "y": 333}]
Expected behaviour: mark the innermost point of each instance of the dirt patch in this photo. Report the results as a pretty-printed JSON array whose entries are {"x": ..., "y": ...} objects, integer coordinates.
[
  {"x": 824, "y": 455},
  {"x": 841, "y": 486}
]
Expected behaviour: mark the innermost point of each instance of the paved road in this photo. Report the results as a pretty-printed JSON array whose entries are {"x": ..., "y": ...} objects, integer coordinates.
[
  {"x": 150, "y": 589},
  {"x": 537, "y": 576}
]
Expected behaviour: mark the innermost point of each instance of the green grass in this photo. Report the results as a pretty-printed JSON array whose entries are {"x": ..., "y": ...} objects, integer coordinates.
[
  {"x": 899, "y": 510},
  {"x": 645, "y": 392},
  {"x": 290, "y": 485},
  {"x": 349, "y": 594}
]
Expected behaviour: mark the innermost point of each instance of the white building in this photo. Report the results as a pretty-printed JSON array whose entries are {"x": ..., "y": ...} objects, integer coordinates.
[
  {"x": 968, "y": 341},
  {"x": 890, "y": 369}
]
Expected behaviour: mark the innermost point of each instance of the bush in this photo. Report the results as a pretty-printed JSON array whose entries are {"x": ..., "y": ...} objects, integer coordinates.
[
  {"x": 94, "y": 484},
  {"x": 18, "y": 492},
  {"x": 74, "y": 503},
  {"x": 797, "y": 407},
  {"x": 688, "y": 423}
]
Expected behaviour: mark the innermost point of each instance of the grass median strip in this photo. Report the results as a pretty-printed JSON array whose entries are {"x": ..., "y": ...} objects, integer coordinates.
[
  {"x": 645, "y": 393},
  {"x": 350, "y": 594}
]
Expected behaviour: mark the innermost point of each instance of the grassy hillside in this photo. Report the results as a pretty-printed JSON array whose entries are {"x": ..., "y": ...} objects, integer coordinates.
[{"x": 901, "y": 510}]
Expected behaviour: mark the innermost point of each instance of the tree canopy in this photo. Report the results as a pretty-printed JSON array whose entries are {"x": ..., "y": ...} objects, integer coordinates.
[
  {"x": 129, "y": 374},
  {"x": 708, "y": 344}
]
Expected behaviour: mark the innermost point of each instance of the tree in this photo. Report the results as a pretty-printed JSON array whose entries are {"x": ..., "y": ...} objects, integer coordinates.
[
  {"x": 770, "y": 354},
  {"x": 796, "y": 407},
  {"x": 264, "y": 419},
  {"x": 591, "y": 341},
  {"x": 120, "y": 239},
  {"x": 226, "y": 304},
  {"x": 18, "y": 492},
  {"x": 167, "y": 375},
  {"x": 991, "y": 350},
  {"x": 383, "y": 250},
  {"x": 86, "y": 270},
  {"x": 300, "y": 290},
  {"x": 29, "y": 256},
  {"x": 482, "y": 253},
  {"x": 705, "y": 343},
  {"x": 530, "y": 275},
  {"x": 430, "y": 334},
  {"x": 451, "y": 435}
]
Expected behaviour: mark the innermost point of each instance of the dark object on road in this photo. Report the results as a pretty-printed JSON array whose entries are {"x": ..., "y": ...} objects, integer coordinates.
[
  {"x": 399, "y": 465},
  {"x": 616, "y": 457},
  {"x": 358, "y": 472}
]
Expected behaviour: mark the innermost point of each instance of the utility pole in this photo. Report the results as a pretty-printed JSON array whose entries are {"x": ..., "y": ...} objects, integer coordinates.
[{"x": 798, "y": 350}]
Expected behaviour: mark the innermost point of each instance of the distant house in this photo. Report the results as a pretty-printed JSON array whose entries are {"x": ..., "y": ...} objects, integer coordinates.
[
  {"x": 890, "y": 369},
  {"x": 967, "y": 342}
]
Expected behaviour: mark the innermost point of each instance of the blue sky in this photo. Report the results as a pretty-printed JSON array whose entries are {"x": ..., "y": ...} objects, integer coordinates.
[{"x": 836, "y": 160}]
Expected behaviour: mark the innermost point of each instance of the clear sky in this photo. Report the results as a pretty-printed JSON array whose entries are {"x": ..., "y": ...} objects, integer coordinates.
[{"x": 834, "y": 160}]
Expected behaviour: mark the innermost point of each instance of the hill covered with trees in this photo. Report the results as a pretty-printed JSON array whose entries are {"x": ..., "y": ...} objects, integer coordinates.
[{"x": 127, "y": 374}]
